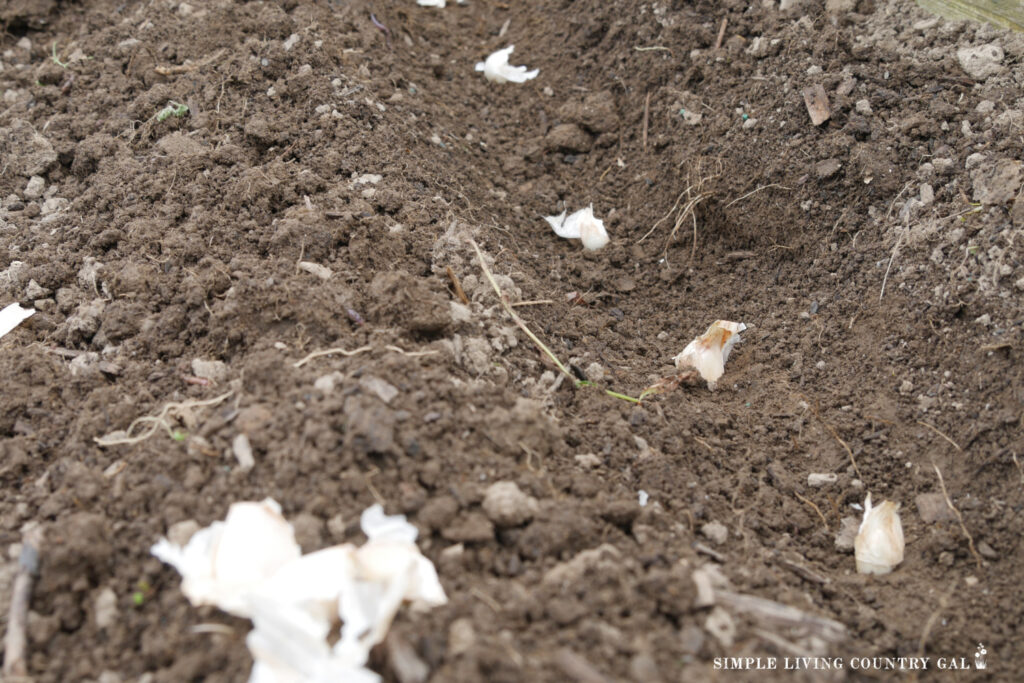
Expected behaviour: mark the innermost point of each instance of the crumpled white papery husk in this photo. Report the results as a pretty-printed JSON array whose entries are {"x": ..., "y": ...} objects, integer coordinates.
[
  {"x": 221, "y": 564},
  {"x": 294, "y": 609},
  {"x": 497, "y": 69},
  {"x": 12, "y": 316},
  {"x": 708, "y": 352},
  {"x": 879, "y": 544},
  {"x": 583, "y": 226}
]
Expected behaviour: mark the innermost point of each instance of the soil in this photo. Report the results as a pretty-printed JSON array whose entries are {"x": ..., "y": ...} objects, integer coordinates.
[{"x": 877, "y": 260}]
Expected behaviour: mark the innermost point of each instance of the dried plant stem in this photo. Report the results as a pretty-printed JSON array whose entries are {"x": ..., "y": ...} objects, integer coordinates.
[
  {"x": 410, "y": 354},
  {"x": 529, "y": 333},
  {"x": 889, "y": 267},
  {"x": 959, "y": 517},
  {"x": 459, "y": 292},
  {"x": 536, "y": 302},
  {"x": 721, "y": 32},
  {"x": 331, "y": 352},
  {"x": 835, "y": 434},
  {"x": 157, "y": 421},
  {"x": 647, "y": 116},
  {"x": 816, "y": 509},
  {"x": 16, "y": 640},
  {"x": 925, "y": 424},
  {"x": 515, "y": 316},
  {"x": 755, "y": 191}
]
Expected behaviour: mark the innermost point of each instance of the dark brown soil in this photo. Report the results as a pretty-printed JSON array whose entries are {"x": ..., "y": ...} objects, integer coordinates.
[{"x": 150, "y": 243}]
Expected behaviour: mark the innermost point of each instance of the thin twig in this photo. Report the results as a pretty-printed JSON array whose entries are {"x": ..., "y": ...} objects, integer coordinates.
[
  {"x": 331, "y": 352},
  {"x": 896, "y": 199},
  {"x": 721, "y": 32},
  {"x": 925, "y": 424},
  {"x": 535, "y": 302},
  {"x": 835, "y": 434},
  {"x": 959, "y": 517},
  {"x": 16, "y": 641},
  {"x": 515, "y": 316},
  {"x": 459, "y": 292},
  {"x": 1019, "y": 468},
  {"x": 816, "y": 509},
  {"x": 652, "y": 48},
  {"x": 755, "y": 191},
  {"x": 647, "y": 115},
  {"x": 410, "y": 354},
  {"x": 662, "y": 219},
  {"x": 529, "y": 333},
  {"x": 887, "y": 268}
]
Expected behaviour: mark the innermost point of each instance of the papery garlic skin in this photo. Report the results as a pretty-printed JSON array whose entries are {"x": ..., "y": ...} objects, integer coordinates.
[
  {"x": 12, "y": 316},
  {"x": 497, "y": 69},
  {"x": 709, "y": 352},
  {"x": 582, "y": 225},
  {"x": 431, "y": 3},
  {"x": 223, "y": 563},
  {"x": 879, "y": 544}
]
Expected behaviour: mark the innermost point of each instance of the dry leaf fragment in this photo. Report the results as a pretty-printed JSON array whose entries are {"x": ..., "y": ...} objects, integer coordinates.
[
  {"x": 497, "y": 69},
  {"x": 879, "y": 544},
  {"x": 708, "y": 352}
]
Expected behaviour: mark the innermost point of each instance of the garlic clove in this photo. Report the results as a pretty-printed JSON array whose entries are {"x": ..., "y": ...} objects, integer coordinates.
[
  {"x": 879, "y": 544},
  {"x": 592, "y": 232},
  {"x": 582, "y": 225},
  {"x": 497, "y": 69},
  {"x": 708, "y": 352}
]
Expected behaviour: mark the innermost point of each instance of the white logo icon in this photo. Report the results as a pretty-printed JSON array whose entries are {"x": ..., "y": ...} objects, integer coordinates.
[{"x": 979, "y": 657}]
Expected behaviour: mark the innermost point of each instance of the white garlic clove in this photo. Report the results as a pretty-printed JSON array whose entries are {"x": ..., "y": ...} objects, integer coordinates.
[
  {"x": 582, "y": 225},
  {"x": 497, "y": 69},
  {"x": 879, "y": 544},
  {"x": 708, "y": 352}
]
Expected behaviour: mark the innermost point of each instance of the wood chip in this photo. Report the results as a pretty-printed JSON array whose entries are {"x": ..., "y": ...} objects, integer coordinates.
[{"x": 817, "y": 104}]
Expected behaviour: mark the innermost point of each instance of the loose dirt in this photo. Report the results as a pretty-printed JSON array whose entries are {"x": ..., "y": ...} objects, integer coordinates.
[{"x": 876, "y": 259}]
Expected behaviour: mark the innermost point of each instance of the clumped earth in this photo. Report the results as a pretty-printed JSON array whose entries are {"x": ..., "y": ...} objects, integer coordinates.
[{"x": 876, "y": 258}]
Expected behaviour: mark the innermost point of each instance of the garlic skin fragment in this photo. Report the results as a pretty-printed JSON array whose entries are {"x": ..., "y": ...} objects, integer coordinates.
[
  {"x": 497, "y": 69},
  {"x": 708, "y": 352},
  {"x": 582, "y": 225},
  {"x": 12, "y": 316},
  {"x": 223, "y": 563},
  {"x": 879, "y": 544},
  {"x": 431, "y": 3},
  {"x": 251, "y": 566}
]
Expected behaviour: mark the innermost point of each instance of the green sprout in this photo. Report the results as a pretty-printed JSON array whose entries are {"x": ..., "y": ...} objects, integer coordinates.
[
  {"x": 138, "y": 597},
  {"x": 175, "y": 109},
  {"x": 973, "y": 249},
  {"x": 56, "y": 59},
  {"x": 179, "y": 435}
]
